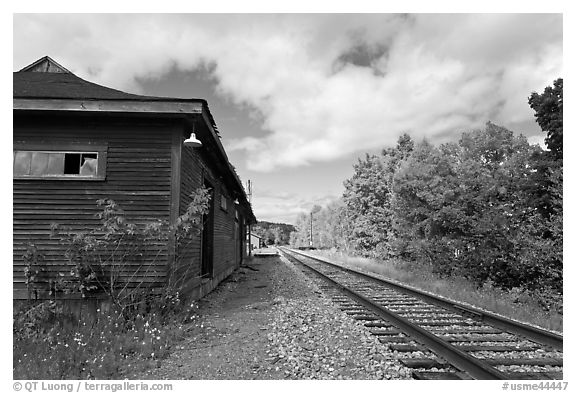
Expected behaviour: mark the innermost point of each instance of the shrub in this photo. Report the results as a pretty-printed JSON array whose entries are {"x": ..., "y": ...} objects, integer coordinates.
[
  {"x": 50, "y": 343},
  {"x": 107, "y": 259}
]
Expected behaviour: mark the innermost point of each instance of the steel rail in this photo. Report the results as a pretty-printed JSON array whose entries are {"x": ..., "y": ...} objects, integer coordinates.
[
  {"x": 458, "y": 358},
  {"x": 535, "y": 334}
]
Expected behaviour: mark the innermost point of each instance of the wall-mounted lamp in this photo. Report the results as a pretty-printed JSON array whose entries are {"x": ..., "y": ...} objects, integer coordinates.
[
  {"x": 236, "y": 201},
  {"x": 192, "y": 141}
]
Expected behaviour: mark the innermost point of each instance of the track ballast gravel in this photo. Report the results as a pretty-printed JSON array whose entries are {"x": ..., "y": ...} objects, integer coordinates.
[{"x": 275, "y": 323}]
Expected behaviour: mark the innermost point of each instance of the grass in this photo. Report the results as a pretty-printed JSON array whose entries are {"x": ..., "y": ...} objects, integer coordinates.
[
  {"x": 49, "y": 344},
  {"x": 512, "y": 304}
]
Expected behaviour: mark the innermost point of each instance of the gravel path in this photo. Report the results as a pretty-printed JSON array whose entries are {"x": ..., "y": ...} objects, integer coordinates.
[{"x": 275, "y": 323}]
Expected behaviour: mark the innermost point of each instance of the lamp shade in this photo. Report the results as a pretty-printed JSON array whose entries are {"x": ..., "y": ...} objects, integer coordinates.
[{"x": 192, "y": 141}]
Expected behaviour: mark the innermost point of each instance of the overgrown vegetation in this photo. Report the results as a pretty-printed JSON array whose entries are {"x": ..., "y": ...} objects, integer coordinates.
[
  {"x": 137, "y": 325},
  {"x": 49, "y": 343},
  {"x": 487, "y": 208}
]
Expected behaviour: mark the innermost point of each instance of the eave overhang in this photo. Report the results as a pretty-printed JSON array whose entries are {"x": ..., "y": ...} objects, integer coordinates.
[{"x": 125, "y": 106}]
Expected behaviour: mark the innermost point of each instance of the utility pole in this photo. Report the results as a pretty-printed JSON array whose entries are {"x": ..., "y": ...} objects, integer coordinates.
[
  {"x": 249, "y": 191},
  {"x": 249, "y": 226},
  {"x": 311, "y": 242}
]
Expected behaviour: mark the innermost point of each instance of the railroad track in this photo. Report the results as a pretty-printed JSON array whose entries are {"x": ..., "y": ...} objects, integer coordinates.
[{"x": 438, "y": 338}]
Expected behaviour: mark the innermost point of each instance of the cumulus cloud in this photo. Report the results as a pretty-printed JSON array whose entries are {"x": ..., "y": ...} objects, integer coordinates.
[{"x": 324, "y": 85}]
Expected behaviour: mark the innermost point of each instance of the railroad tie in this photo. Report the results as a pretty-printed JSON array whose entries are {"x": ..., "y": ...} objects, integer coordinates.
[
  {"x": 423, "y": 363},
  {"x": 390, "y": 332},
  {"x": 526, "y": 362},
  {"x": 536, "y": 375},
  {"x": 494, "y": 348},
  {"x": 434, "y": 375},
  {"x": 405, "y": 348}
]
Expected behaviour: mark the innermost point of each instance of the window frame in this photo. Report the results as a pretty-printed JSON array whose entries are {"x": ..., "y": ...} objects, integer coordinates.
[
  {"x": 99, "y": 148},
  {"x": 224, "y": 202}
]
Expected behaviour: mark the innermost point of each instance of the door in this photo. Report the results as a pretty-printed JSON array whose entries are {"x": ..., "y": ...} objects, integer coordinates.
[
  {"x": 239, "y": 238},
  {"x": 208, "y": 235}
]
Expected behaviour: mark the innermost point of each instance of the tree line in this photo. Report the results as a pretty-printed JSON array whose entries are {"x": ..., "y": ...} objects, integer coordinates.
[
  {"x": 487, "y": 207},
  {"x": 273, "y": 233}
]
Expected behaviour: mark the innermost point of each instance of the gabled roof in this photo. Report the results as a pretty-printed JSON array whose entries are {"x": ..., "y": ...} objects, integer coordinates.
[
  {"x": 45, "y": 78},
  {"x": 45, "y": 64}
]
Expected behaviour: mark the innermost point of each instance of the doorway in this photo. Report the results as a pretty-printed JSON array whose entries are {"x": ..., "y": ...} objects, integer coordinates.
[{"x": 208, "y": 235}]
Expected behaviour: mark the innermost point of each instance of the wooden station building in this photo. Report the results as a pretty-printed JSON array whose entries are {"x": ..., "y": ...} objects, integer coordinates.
[{"x": 75, "y": 142}]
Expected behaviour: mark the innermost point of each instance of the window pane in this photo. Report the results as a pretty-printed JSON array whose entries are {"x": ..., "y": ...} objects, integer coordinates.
[
  {"x": 55, "y": 164},
  {"x": 39, "y": 163},
  {"x": 89, "y": 165},
  {"x": 72, "y": 163},
  {"x": 22, "y": 162}
]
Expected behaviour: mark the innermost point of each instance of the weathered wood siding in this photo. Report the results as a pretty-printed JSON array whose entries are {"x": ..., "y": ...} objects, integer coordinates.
[
  {"x": 224, "y": 239},
  {"x": 188, "y": 262},
  {"x": 138, "y": 178},
  {"x": 195, "y": 168}
]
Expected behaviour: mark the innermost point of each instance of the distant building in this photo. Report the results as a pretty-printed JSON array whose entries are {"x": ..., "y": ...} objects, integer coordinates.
[
  {"x": 76, "y": 142},
  {"x": 256, "y": 241}
]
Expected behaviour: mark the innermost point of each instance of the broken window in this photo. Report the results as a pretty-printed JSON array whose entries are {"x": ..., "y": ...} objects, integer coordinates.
[{"x": 57, "y": 164}]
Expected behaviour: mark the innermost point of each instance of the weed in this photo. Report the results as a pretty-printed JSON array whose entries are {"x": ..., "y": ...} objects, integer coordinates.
[{"x": 110, "y": 347}]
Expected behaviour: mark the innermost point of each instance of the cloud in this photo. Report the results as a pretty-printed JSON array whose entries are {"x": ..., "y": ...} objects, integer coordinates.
[
  {"x": 538, "y": 140},
  {"x": 324, "y": 86},
  {"x": 282, "y": 206}
]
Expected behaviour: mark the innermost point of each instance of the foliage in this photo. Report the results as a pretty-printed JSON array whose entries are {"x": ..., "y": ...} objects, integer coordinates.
[
  {"x": 466, "y": 210},
  {"x": 273, "y": 233},
  {"x": 113, "y": 257},
  {"x": 329, "y": 227},
  {"x": 361, "y": 221},
  {"x": 34, "y": 266},
  {"x": 48, "y": 343},
  {"x": 367, "y": 198},
  {"x": 549, "y": 115}
]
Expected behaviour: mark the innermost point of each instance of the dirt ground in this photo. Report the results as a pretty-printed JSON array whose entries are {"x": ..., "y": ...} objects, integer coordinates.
[{"x": 269, "y": 322}]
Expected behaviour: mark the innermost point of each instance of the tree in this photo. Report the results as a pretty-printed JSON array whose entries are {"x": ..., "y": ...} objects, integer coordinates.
[
  {"x": 425, "y": 218},
  {"x": 301, "y": 237},
  {"x": 272, "y": 232},
  {"x": 548, "y": 108},
  {"x": 367, "y": 198},
  {"x": 466, "y": 209},
  {"x": 404, "y": 147},
  {"x": 549, "y": 114}
]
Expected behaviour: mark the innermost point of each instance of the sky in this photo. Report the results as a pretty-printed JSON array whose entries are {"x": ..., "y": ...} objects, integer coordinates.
[{"x": 299, "y": 97}]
